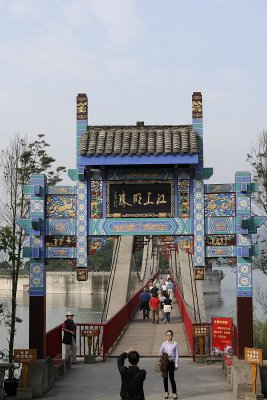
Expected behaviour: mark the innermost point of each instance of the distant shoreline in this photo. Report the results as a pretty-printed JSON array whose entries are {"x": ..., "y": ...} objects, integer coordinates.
[{"x": 62, "y": 282}]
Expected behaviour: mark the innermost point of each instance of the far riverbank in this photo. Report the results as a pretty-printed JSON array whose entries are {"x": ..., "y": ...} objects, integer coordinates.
[{"x": 63, "y": 282}]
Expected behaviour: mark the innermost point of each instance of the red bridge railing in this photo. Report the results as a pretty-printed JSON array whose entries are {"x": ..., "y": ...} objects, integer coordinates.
[
  {"x": 107, "y": 333},
  {"x": 54, "y": 342},
  {"x": 188, "y": 324}
]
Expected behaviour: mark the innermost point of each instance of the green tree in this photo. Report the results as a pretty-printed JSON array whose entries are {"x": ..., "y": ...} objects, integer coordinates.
[
  {"x": 260, "y": 336},
  {"x": 258, "y": 160},
  {"x": 102, "y": 259},
  {"x": 7, "y": 246},
  {"x": 60, "y": 264},
  {"x": 18, "y": 161}
]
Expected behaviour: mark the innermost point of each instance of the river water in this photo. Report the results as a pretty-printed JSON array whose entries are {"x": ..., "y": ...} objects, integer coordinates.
[
  {"x": 227, "y": 307},
  {"x": 88, "y": 308}
]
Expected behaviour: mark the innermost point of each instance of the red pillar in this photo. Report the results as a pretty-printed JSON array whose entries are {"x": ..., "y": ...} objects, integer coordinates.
[
  {"x": 244, "y": 325},
  {"x": 37, "y": 325}
]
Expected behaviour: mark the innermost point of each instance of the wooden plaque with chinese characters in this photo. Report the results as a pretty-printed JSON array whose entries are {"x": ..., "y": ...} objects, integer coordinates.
[
  {"x": 199, "y": 273},
  {"x": 82, "y": 274},
  {"x": 253, "y": 355},
  {"x": 25, "y": 355},
  {"x": 201, "y": 329},
  {"x": 89, "y": 332},
  {"x": 140, "y": 199}
]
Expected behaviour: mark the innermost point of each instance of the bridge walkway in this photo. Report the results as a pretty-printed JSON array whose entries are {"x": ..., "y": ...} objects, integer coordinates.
[
  {"x": 102, "y": 381},
  {"x": 147, "y": 338}
]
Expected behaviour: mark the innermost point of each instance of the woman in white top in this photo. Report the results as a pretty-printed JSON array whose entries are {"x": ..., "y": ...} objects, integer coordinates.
[{"x": 169, "y": 348}]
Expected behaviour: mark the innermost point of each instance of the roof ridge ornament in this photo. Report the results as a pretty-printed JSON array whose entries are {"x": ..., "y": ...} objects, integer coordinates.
[{"x": 197, "y": 111}]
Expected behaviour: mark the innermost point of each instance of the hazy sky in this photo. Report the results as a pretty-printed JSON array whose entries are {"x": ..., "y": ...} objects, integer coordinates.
[{"x": 136, "y": 60}]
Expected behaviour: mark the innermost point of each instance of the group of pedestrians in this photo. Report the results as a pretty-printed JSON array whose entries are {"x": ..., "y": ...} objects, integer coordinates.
[
  {"x": 157, "y": 295},
  {"x": 132, "y": 378}
]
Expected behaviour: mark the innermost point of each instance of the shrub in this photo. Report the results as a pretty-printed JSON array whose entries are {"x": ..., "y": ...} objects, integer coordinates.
[{"x": 260, "y": 336}]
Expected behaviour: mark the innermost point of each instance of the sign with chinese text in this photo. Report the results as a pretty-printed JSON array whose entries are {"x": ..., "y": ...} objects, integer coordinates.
[
  {"x": 25, "y": 355},
  {"x": 133, "y": 199},
  {"x": 82, "y": 274},
  {"x": 220, "y": 240},
  {"x": 199, "y": 273},
  {"x": 253, "y": 355},
  {"x": 221, "y": 332},
  {"x": 201, "y": 329},
  {"x": 90, "y": 332}
]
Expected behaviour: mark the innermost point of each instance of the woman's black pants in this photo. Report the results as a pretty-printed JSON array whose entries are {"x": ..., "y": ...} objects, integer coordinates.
[{"x": 171, "y": 367}]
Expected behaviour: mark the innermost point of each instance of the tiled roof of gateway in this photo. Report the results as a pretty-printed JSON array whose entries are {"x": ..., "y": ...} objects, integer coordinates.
[{"x": 139, "y": 140}]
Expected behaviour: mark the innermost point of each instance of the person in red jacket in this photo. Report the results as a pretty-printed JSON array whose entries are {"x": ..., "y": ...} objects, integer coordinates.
[{"x": 154, "y": 307}]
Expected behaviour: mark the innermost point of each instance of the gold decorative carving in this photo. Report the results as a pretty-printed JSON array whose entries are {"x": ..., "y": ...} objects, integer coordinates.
[
  {"x": 163, "y": 215},
  {"x": 197, "y": 105},
  {"x": 82, "y": 107},
  {"x": 60, "y": 206},
  {"x": 199, "y": 273},
  {"x": 82, "y": 274}
]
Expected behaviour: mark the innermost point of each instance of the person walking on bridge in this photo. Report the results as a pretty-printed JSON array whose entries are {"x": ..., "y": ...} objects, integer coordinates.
[
  {"x": 169, "y": 354},
  {"x": 169, "y": 288},
  {"x": 144, "y": 303},
  {"x": 154, "y": 307},
  {"x": 167, "y": 308},
  {"x": 132, "y": 378}
]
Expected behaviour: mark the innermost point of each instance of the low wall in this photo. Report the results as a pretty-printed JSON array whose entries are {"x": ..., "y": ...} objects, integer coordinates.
[{"x": 64, "y": 282}]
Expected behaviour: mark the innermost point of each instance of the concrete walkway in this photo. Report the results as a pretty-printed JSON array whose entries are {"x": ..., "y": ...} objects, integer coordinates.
[
  {"x": 102, "y": 381},
  {"x": 147, "y": 338}
]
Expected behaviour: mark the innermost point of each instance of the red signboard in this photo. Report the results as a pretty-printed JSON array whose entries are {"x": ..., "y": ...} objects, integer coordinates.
[{"x": 221, "y": 333}]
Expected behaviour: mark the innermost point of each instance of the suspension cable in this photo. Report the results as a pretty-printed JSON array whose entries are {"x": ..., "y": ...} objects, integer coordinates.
[
  {"x": 196, "y": 292},
  {"x": 192, "y": 290},
  {"x": 111, "y": 279},
  {"x": 141, "y": 279}
]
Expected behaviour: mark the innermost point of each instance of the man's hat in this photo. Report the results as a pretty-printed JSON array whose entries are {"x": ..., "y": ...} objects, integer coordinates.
[{"x": 69, "y": 314}]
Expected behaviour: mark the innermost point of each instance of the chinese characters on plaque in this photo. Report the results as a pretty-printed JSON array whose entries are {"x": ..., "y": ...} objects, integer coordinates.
[
  {"x": 201, "y": 329},
  {"x": 199, "y": 273},
  {"x": 253, "y": 355},
  {"x": 82, "y": 274},
  {"x": 25, "y": 355},
  {"x": 221, "y": 332},
  {"x": 149, "y": 199}
]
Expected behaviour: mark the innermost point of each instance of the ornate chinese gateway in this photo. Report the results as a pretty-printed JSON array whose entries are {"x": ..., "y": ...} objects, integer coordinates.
[{"x": 143, "y": 181}]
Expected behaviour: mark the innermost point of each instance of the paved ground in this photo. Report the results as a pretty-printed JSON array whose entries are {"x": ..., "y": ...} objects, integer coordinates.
[
  {"x": 147, "y": 338},
  {"x": 102, "y": 381}
]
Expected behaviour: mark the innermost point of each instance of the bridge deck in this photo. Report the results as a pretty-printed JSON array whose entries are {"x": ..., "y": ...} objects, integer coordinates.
[{"x": 147, "y": 338}]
